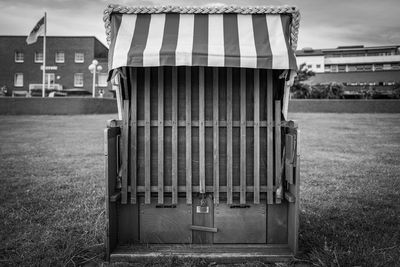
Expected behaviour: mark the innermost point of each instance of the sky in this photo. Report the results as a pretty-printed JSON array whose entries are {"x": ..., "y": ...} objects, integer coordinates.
[{"x": 324, "y": 23}]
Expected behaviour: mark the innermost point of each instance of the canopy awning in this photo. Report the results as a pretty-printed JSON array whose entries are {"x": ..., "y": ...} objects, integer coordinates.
[{"x": 257, "y": 37}]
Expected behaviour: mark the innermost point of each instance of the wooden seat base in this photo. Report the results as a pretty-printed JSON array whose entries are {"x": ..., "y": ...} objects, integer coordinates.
[{"x": 216, "y": 253}]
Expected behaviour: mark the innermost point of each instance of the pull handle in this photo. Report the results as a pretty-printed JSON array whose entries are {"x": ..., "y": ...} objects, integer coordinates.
[{"x": 203, "y": 228}]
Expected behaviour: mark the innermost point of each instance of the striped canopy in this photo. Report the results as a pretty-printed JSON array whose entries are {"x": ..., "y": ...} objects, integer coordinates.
[{"x": 224, "y": 39}]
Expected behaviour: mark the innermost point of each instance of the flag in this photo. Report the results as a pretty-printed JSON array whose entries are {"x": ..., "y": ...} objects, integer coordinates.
[{"x": 37, "y": 30}]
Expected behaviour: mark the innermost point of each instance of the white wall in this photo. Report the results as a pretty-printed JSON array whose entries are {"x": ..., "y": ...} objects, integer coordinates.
[{"x": 313, "y": 61}]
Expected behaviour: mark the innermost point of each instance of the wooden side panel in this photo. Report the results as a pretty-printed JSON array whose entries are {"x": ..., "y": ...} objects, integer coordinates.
[
  {"x": 165, "y": 223},
  {"x": 229, "y": 138},
  {"x": 202, "y": 144},
  {"x": 257, "y": 148},
  {"x": 128, "y": 221},
  {"x": 160, "y": 156},
  {"x": 110, "y": 172},
  {"x": 243, "y": 129},
  {"x": 147, "y": 148},
  {"x": 188, "y": 135},
  {"x": 270, "y": 142},
  {"x": 174, "y": 135},
  {"x": 245, "y": 225},
  {"x": 133, "y": 137},
  {"x": 277, "y": 232},
  {"x": 216, "y": 135}
]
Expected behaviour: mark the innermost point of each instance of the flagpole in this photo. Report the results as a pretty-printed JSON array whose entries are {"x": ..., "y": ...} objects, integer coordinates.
[{"x": 44, "y": 57}]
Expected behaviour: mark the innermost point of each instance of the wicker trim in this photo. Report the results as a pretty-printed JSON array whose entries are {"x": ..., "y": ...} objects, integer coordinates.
[{"x": 293, "y": 11}]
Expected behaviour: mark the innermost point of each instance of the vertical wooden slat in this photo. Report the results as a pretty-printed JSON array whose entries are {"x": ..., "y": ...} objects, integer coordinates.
[
  {"x": 257, "y": 149},
  {"x": 229, "y": 141},
  {"x": 160, "y": 157},
  {"x": 147, "y": 149},
  {"x": 216, "y": 135},
  {"x": 243, "y": 136},
  {"x": 174, "y": 135},
  {"x": 125, "y": 152},
  {"x": 278, "y": 179},
  {"x": 202, "y": 145},
  {"x": 270, "y": 160},
  {"x": 188, "y": 135},
  {"x": 110, "y": 172},
  {"x": 133, "y": 140},
  {"x": 289, "y": 143},
  {"x": 293, "y": 214}
]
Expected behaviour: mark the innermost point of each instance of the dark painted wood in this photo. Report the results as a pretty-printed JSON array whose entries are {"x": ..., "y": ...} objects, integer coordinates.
[
  {"x": 133, "y": 136},
  {"x": 270, "y": 148},
  {"x": 110, "y": 172},
  {"x": 125, "y": 152},
  {"x": 128, "y": 224},
  {"x": 169, "y": 224},
  {"x": 245, "y": 225},
  {"x": 257, "y": 149},
  {"x": 203, "y": 219},
  {"x": 277, "y": 230}
]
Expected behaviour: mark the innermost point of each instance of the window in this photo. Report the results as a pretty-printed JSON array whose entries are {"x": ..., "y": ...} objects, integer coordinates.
[
  {"x": 78, "y": 80},
  {"x": 318, "y": 66},
  {"x": 309, "y": 66},
  {"x": 327, "y": 68},
  {"x": 60, "y": 57},
  {"x": 387, "y": 66},
  {"x": 38, "y": 57},
  {"x": 342, "y": 68},
  {"x": 19, "y": 80},
  {"x": 19, "y": 57},
  {"x": 334, "y": 68},
  {"x": 79, "y": 58},
  {"x": 102, "y": 82},
  {"x": 351, "y": 68}
]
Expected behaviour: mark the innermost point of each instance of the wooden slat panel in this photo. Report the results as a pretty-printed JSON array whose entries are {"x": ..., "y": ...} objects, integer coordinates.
[
  {"x": 229, "y": 139},
  {"x": 270, "y": 161},
  {"x": 216, "y": 135},
  {"x": 125, "y": 152},
  {"x": 207, "y": 123},
  {"x": 147, "y": 148},
  {"x": 174, "y": 135},
  {"x": 110, "y": 171},
  {"x": 195, "y": 189},
  {"x": 257, "y": 149},
  {"x": 202, "y": 143},
  {"x": 133, "y": 141},
  {"x": 160, "y": 157},
  {"x": 278, "y": 178},
  {"x": 188, "y": 135},
  {"x": 242, "y": 136}
]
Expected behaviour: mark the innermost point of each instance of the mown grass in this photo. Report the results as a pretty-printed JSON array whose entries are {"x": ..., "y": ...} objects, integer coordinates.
[{"x": 52, "y": 190}]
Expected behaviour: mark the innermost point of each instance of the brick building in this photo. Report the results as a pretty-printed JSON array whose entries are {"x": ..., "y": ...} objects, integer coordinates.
[{"x": 67, "y": 61}]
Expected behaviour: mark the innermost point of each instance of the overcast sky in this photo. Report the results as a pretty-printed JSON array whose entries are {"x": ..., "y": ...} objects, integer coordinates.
[{"x": 324, "y": 23}]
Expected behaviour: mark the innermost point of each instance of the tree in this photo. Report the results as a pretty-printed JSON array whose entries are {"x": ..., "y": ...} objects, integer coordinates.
[{"x": 299, "y": 88}]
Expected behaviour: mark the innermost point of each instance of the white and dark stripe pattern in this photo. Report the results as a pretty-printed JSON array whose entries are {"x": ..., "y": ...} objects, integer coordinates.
[{"x": 215, "y": 40}]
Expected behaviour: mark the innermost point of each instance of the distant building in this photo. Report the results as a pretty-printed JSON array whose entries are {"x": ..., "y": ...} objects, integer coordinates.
[
  {"x": 354, "y": 66},
  {"x": 67, "y": 61}
]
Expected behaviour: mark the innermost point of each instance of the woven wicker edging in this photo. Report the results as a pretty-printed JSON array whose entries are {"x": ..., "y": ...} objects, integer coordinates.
[{"x": 290, "y": 10}]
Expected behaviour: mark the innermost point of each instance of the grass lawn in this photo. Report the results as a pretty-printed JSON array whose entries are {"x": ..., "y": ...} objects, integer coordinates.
[{"x": 52, "y": 189}]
